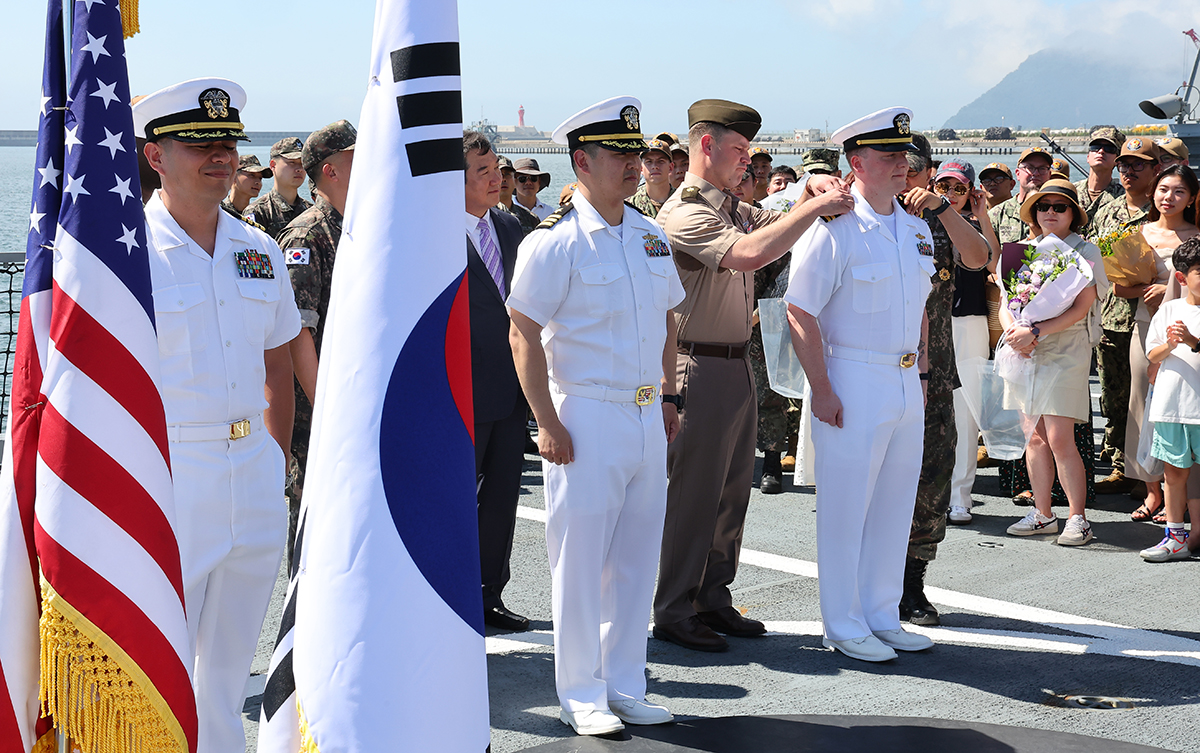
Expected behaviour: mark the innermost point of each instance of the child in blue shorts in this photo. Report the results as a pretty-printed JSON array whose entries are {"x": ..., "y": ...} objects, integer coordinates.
[{"x": 1172, "y": 341}]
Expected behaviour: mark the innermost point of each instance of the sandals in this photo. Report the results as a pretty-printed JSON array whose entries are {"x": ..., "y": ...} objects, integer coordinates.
[
  {"x": 1160, "y": 516},
  {"x": 1023, "y": 499},
  {"x": 1144, "y": 513}
]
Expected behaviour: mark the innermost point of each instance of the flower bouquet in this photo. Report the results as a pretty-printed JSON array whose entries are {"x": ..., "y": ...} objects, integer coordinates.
[{"x": 1130, "y": 260}]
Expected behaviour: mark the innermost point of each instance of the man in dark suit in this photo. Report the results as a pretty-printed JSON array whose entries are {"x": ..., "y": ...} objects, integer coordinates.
[{"x": 492, "y": 240}]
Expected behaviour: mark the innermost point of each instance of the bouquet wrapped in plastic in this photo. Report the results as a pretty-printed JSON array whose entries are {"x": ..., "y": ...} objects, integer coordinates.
[
  {"x": 1040, "y": 285},
  {"x": 1131, "y": 261}
]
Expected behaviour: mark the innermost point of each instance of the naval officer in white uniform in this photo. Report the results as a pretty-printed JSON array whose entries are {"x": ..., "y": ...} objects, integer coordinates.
[
  {"x": 224, "y": 312},
  {"x": 593, "y": 339},
  {"x": 856, "y": 299}
]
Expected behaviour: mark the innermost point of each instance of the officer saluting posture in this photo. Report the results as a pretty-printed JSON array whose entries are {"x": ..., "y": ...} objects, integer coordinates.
[
  {"x": 224, "y": 312},
  {"x": 593, "y": 340},
  {"x": 856, "y": 299}
]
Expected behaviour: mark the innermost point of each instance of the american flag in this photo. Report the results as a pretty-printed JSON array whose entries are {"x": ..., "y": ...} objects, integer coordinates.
[{"x": 86, "y": 489}]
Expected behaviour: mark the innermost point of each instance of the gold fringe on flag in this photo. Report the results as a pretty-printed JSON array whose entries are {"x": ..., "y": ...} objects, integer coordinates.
[
  {"x": 307, "y": 743},
  {"x": 129, "y": 18},
  {"x": 95, "y": 693}
]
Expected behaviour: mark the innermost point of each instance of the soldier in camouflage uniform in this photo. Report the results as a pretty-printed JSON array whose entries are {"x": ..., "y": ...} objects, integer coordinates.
[
  {"x": 1115, "y": 219},
  {"x": 1033, "y": 169},
  {"x": 309, "y": 244},
  {"x": 822, "y": 161},
  {"x": 1099, "y": 188},
  {"x": 776, "y": 419},
  {"x": 964, "y": 246},
  {"x": 528, "y": 219},
  {"x": 283, "y": 203},
  {"x": 656, "y": 175},
  {"x": 247, "y": 182}
]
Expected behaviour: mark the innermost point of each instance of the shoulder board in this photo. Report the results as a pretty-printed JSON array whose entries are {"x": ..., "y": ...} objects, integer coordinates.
[
  {"x": 252, "y": 223},
  {"x": 559, "y": 213},
  {"x": 690, "y": 193},
  {"x": 635, "y": 208}
]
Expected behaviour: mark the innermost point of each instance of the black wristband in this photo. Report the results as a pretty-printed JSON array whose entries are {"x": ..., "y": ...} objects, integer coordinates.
[
  {"x": 924, "y": 376},
  {"x": 1196, "y": 347},
  {"x": 945, "y": 205},
  {"x": 676, "y": 400}
]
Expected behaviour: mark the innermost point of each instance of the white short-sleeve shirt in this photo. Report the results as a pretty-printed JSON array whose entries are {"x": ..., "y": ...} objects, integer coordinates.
[
  {"x": 865, "y": 286},
  {"x": 1177, "y": 388},
  {"x": 214, "y": 325},
  {"x": 601, "y": 293}
]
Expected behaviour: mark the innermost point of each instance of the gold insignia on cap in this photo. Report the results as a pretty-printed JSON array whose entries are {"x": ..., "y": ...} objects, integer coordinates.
[
  {"x": 215, "y": 102},
  {"x": 901, "y": 122},
  {"x": 630, "y": 114}
]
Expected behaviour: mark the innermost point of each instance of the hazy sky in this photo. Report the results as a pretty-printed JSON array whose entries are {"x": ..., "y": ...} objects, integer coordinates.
[{"x": 799, "y": 62}]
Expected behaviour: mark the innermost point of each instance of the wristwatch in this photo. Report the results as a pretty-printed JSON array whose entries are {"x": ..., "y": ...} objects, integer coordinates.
[
  {"x": 1036, "y": 332},
  {"x": 945, "y": 205},
  {"x": 677, "y": 400},
  {"x": 1196, "y": 347}
]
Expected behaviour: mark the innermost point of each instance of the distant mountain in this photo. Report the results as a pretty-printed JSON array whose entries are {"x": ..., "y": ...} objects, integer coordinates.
[{"x": 1087, "y": 89}]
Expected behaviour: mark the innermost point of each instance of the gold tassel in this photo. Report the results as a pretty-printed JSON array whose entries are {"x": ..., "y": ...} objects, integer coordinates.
[
  {"x": 91, "y": 697},
  {"x": 129, "y": 18},
  {"x": 307, "y": 743}
]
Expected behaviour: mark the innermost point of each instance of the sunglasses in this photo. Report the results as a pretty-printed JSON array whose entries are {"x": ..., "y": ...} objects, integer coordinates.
[
  {"x": 1106, "y": 148},
  {"x": 1132, "y": 166},
  {"x": 528, "y": 179},
  {"x": 1043, "y": 206},
  {"x": 944, "y": 188}
]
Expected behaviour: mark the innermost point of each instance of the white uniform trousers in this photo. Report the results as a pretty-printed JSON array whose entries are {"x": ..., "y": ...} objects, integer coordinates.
[
  {"x": 604, "y": 529},
  {"x": 866, "y": 475},
  {"x": 232, "y": 521},
  {"x": 970, "y": 341}
]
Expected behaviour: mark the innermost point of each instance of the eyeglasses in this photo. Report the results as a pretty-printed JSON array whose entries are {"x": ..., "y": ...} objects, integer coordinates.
[
  {"x": 1034, "y": 170},
  {"x": 1132, "y": 166},
  {"x": 529, "y": 179},
  {"x": 945, "y": 187},
  {"x": 993, "y": 180},
  {"x": 1106, "y": 148},
  {"x": 1042, "y": 206}
]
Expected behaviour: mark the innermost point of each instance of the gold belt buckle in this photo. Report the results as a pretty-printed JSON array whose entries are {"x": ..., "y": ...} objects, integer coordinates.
[
  {"x": 645, "y": 395},
  {"x": 908, "y": 360},
  {"x": 239, "y": 429}
]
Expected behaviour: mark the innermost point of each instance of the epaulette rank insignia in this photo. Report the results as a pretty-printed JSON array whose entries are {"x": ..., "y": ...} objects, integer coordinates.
[
  {"x": 249, "y": 221},
  {"x": 632, "y": 206},
  {"x": 690, "y": 193},
  {"x": 559, "y": 213},
  {"x": 655, "y": 246},
  {"x": 253, "y": 265}
]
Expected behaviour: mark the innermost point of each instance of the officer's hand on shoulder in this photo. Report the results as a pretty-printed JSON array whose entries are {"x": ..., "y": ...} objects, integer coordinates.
[
  {"x": 819, "y": 184},
  {"x": 834, "y": 202}
]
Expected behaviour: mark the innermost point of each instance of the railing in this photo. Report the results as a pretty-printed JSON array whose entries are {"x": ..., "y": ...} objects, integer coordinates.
[{"x": 12, "y": 274}]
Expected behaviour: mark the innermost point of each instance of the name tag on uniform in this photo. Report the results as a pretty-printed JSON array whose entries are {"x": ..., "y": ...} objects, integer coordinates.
[
  {"x": 253, "y": 265},
  {"x": 297, "y": 256},
  {"x": 655, "y": 246}
]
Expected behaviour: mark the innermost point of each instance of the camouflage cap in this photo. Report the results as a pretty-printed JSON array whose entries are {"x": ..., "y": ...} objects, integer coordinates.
[
  {"x": 503, "y": 163},
  {"x": 820, "y": 159},
  {"x": 678, "y": 149},
  {"x": 1060, "y": 168},
  {"x": 1172, "y": 147},
  {"x": 248, "y": 163},
  {"x": 1107, "y": 133},
  {"x": 326, "y": 142},
  {"x": 1139, "y": 148},
  {"x": 288, "y": 148}
]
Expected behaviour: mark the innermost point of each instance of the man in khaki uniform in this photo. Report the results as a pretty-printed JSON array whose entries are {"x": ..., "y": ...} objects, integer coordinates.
[{"x": 718, "y": 243}]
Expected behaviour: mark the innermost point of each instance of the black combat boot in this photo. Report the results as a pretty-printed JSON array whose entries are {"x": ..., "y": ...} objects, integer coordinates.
[
  {"x": 772, "y": 474},
  {"x": 914, "y": 607}
]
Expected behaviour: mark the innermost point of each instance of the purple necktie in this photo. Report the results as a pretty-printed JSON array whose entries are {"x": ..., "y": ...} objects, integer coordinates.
[{"x": 491, "y": 256}]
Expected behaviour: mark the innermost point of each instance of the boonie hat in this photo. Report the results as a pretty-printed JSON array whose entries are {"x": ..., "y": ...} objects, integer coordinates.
[
  {"x": 614, "y": 124},
  {"x": 529, "y": 166},
  {"x": 288, "y": 147},
  {"x": 326, "y": 142},
  {"x": 248, "y": 163},
  {"x": 886, "y": 130},
  {"x": 736, "y": 117},
  {"x": 195, "y": 111}
]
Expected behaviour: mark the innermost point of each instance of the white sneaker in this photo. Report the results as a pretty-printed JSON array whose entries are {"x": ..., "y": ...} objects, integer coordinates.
[
  {"x": 901, "y": 640},
  {"x": 1170, "y": 548},
  {"x": 867, "y": 648},
  {"x": 1034, "y": 524},
  {"x": 640, "y": 712},
  {"x": 591, "y": 721},
  {"x": 960, "y": 515},
  {"x": 1076, "y": 532}
]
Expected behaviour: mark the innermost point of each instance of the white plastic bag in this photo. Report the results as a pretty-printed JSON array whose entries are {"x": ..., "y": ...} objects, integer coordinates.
[
  {"x": 1145, "y": 459},
  {"x": 1007, "y": 413},
  {"x": 783, "y": 365}
]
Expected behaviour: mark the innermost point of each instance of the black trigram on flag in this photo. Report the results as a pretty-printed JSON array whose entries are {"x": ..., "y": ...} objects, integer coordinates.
[{"x": 430, "y": 108}]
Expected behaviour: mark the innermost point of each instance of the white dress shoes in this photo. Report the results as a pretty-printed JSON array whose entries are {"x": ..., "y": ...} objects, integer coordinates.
[
  {"x": 640, "y": 712},
  {"x": 867, "y": 648},
  {"x": 902, "y": 641},
  {"x": 591, "y": 721}
]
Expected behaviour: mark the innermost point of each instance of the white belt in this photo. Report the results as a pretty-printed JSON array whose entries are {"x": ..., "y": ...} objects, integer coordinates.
[
  {"x": 212, "y": 432},
  {"x": 640, "y": 396},
  {"x": 903, "y": 360}
]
